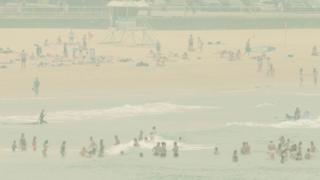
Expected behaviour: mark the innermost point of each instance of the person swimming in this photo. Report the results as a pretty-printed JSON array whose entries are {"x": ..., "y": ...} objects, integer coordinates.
[
  {"x": 216, "y": 151},
  {"x": 141, "y": 155}
]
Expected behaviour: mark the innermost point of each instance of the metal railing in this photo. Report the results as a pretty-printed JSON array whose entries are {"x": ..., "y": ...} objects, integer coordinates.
[{"x": 103, "y": 12}]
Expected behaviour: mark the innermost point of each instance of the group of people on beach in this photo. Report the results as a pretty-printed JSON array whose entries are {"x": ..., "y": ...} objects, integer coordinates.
[
  {"x": 74, "y": 51},
  {"x": 315, "y": 76}
]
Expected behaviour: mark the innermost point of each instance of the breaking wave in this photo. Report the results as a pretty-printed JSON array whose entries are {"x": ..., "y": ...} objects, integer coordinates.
[
  {"x": 109, "y": 113},
  {"x": 305, "y": 123},
  {"x": 125, "y": 147}
]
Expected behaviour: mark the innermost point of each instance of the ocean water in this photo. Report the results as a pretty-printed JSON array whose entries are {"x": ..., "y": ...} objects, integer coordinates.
[{"x": 198, "y": 122}]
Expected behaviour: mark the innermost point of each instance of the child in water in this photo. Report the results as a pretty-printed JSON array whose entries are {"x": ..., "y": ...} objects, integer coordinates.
[
  {"x": 84, "y": 152},
  {"x": 14, "y": 146}
]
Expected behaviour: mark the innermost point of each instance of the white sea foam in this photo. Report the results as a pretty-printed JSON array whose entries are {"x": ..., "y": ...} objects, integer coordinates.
[
  {"x": 109, "y": 113},
  {"x": 125, "y": 147},
  {"x": 265, "y": 104},
  {"x": 305, "y": 123}
]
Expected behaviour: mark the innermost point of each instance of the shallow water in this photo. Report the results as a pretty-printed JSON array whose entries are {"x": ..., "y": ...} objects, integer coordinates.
[{"x": 223, "y": 119}]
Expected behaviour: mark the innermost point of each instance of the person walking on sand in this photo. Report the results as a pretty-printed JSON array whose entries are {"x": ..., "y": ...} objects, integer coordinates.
[
  {"x": 190, "y": 43},
  {"x": 23, "y": 57},
  {"x": 65, "y": 50},
  {"x": 36, "y": 86},
  {"x": 158, "y": 47},
  {"x": 301, "y": 76},
  {"x": 248, "y": 47},
  {"x": 315, "y": 74}
]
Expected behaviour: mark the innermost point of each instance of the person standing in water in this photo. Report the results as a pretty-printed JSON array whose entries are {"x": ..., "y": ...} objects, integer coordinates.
[
  {"x": 140, "y": 138},
  {"x": 92, "y": 147},
  {"x": 175, "y": 149},
  {"x": 34, "y": 143},
  {"x": 23, "y": 143},
  {"x": 63, "y": 149},
  {"x": 297, "y": 114},
  {"x": 41, "y": 117},
  {"x": 101, "y": 148},
  {"x": 45, "y": 148},
  {"x": 156, "y": 149},
  {"x": 116, "y": 140},
  {"x": 14, "y": 146},
  {"x": 36, "y": 86},
  {"x": 235, "y": 156},
  {"x": 163, "y": 151}
]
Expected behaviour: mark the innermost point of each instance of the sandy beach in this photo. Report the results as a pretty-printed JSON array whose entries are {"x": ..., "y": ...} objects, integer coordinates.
[
  {"x": 202, "y": 102},
  {"x": 204, "y": 71}
]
